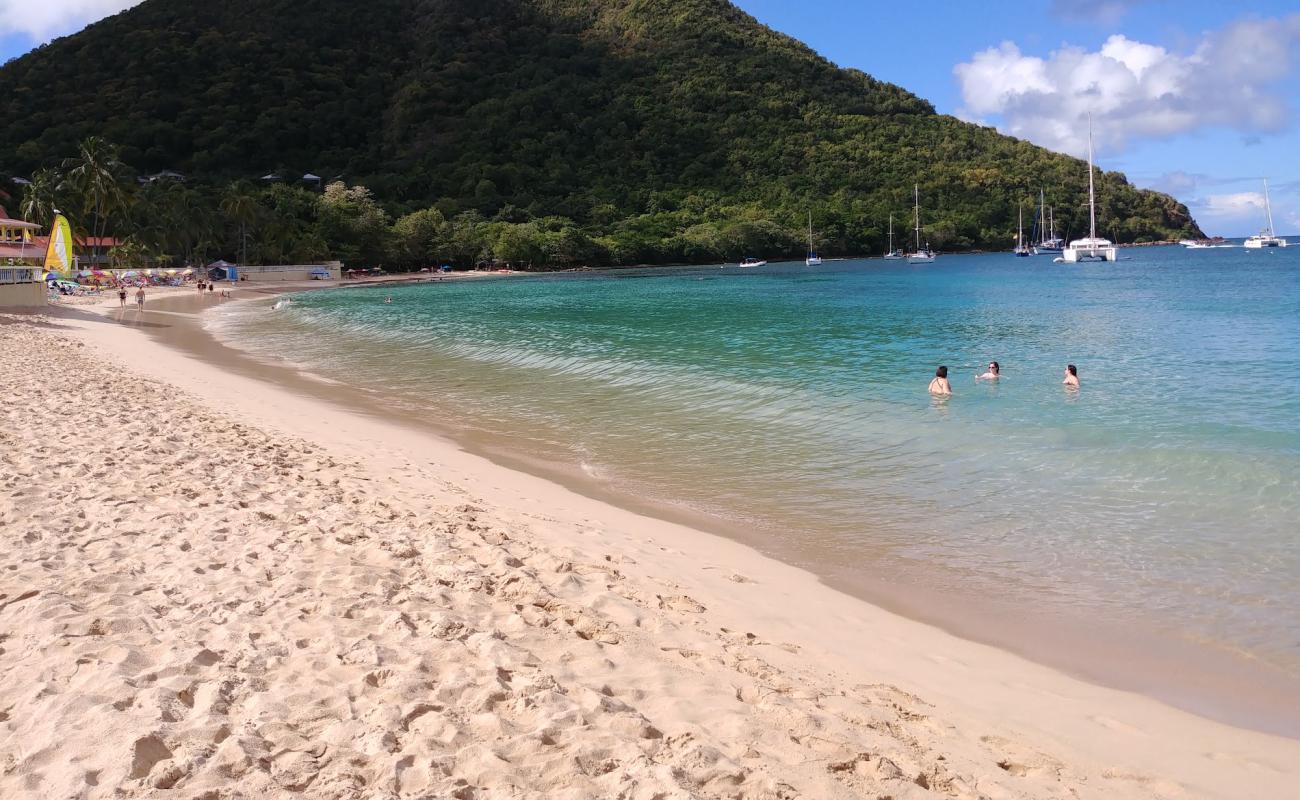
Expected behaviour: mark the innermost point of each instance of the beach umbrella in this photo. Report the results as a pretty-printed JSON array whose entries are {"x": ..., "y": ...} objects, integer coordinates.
[
  {"x": 129, "y": 273},
  {"x": 188, "y": 272},
  {"x": 51, "y": 276}
]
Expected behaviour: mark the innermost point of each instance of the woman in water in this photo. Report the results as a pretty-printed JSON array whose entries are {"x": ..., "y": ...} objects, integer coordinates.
[
  {"x": 939, "y": 383},
  {"x": 993, "y": 374},
  {"x": 1071, "y": 376}
]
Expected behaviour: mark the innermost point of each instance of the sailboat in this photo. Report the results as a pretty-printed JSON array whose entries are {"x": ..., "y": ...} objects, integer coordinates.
[
  {"x": 922, "y": 255},
  {"x": 1091, "y": 248},
  {"x": 1022, "y": 250},
  {"x": 1266, "y": 237},
  {"x": 891, "y": 253},
  {"x": 1049, "y": 242},
  {"x": 813, "y": 259}
]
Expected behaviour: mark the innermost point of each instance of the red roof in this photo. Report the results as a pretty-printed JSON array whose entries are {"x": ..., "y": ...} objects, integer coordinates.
[
  {"x": 17, "y": 251},
  {"x": 84, "y": 242}
]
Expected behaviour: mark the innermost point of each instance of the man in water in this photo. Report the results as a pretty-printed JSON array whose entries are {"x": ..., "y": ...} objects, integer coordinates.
[
  {"x": 939, "y": 383},
  {"x": 1071, "y": 376},
  {"x": 993, "y": 374},
  {"x": 139, "y": 297}
]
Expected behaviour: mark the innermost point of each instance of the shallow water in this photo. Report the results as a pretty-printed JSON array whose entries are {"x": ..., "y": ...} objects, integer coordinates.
[{"x": 1162, "y": 496}]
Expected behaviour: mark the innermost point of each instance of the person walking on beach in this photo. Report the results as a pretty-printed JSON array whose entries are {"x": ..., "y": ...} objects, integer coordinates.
[
  {"x": 121, "y": 296},
  {"x": 939, "y": 383},
  {"x": 139, "y": 297},
  {"x": 210, "y": 289},
  {"x": 993, "y": 374},
  {"x": 1071, "y": 376}
]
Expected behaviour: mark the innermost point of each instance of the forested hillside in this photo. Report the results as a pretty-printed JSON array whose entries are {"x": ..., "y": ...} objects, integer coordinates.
[{"x": 634, "y": 130}]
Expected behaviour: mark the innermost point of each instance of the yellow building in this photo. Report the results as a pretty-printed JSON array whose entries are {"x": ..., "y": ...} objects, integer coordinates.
[{"x": 22, "y": 259}]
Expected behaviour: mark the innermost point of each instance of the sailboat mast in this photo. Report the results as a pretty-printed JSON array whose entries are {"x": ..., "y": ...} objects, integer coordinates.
[
  {"x": 1042, "y": 215},
  {"x": 1092, "y": 195},
  {"x": 891, "y": 233},
  {"x": 1268, "y": 206},
  {"x": 916, "y": 191},
  {"x": 810, "y": 243},
  {"x": 1020, "y": 227}
]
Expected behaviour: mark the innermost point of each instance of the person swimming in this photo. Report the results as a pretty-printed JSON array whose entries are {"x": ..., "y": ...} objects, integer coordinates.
[
  {"x": 939, "y": 383},
  {"x": 1071, "y": 376},
  {"x": 993, "y": 374},
  {"x": 388, "y": 299}
]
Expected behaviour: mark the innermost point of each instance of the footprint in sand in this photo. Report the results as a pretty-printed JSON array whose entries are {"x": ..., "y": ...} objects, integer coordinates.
[{"x": 681, "y": 603}]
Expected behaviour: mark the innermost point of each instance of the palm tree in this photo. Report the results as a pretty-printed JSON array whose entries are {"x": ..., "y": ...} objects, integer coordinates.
[
  {"x": 240, "y": 207},
  {"x": 95, "y": 172},
  {"x": 40, "y": 197},
  {"x": 130, "y": 253}
]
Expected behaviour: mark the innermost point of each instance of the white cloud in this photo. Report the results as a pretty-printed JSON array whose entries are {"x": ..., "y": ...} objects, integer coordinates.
[
  {"x": 1235, "y": 206},
  {"x": 1177, "y": 183},
  {"x": 42, "y": 20},
  {"x": 1134, "y": 89}
]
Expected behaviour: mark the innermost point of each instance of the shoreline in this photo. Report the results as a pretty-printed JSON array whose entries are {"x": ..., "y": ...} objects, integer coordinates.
[
  {"x": 973, "y": 687},
  {"x": 1199, "y": 677}
]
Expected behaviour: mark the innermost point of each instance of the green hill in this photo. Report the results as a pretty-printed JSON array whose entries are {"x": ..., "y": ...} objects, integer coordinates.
[{"x": 655, "y": 130}]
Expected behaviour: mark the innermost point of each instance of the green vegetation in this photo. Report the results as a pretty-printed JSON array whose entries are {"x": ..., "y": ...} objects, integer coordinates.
[{"x": 551, "y": 132}]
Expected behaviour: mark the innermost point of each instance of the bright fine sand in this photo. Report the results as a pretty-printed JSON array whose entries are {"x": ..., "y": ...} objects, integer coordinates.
[{"x": 213, "y": 588}]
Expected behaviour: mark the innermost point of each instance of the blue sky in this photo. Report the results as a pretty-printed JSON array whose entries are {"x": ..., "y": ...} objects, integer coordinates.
[
  {"x": 1197, "y": 98},
  {"x": 1200, "y": 99}
]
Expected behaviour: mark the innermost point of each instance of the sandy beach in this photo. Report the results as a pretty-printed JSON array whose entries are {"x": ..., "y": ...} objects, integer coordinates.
[{"x": 216, "y": 587}]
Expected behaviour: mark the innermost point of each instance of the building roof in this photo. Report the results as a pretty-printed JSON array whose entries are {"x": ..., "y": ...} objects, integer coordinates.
[
  {"x": 81, "y": 241},
  {"x": 31, "y": 252},
  {"x": 8, "y": 222}
]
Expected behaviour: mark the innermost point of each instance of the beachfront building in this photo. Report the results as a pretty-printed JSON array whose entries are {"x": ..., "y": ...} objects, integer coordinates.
[{"x": 21, "y": 257}]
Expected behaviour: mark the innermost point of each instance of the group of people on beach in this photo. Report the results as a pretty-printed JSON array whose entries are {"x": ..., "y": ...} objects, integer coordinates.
[
  {"x": 939, "y": 384},
  {"x": 139, "y": 296}
]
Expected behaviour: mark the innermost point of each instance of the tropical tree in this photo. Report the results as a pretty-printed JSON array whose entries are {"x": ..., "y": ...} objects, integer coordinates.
[
  {"x": 419, "y": 237},
  {"x": 240, "y": 207},
  {"x": 95, "y": 173},
  {"x": 40, "y": 199},
  {"x": 352, "y": 223},
  {"x": 128, "y": 253}
]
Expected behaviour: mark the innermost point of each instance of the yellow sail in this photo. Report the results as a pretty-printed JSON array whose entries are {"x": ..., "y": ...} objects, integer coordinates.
[{"x": 58, "y": 258}]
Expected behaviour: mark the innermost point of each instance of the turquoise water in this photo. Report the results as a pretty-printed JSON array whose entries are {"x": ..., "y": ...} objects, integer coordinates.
[{"x": 791, "y": 402}]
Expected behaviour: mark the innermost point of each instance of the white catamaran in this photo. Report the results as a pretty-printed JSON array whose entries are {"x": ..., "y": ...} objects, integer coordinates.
[
  {"x": 891, "y": 253},
  {"x": 1266, "y": 237},
  {"x": 922, "y": 255},
  {"x": 1091, "y": 248},
  {"x": 813, "y": 259}
]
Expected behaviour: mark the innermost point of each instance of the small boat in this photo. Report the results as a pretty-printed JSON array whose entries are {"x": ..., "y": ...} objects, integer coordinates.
[
  {"x": 813, "y": 259},
  {"x": 1022, "y": 250},
  {"x": 1092, "y": 248},
  {"x": 1266, "y": 237},
  {"x": 892, "y": 254},
  {"x": 1048, "y": 241},
  {"x": 754, "y": 262},
  {"x": 922, "y": 255},
  {"x": 1213, "y": 242}
]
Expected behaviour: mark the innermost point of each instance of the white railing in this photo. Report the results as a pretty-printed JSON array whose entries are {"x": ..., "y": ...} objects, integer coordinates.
[{"x": 9, "y": 275}]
